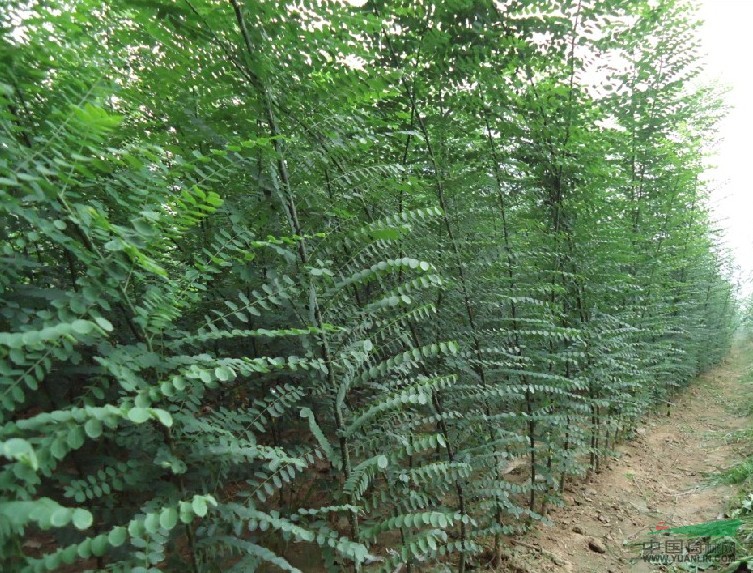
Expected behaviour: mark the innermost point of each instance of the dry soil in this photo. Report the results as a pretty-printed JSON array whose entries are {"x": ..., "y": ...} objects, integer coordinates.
[{"x": 663, "y": 475}]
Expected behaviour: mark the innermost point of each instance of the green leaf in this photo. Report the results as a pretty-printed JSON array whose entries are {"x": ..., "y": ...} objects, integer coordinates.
[
  {"x": 21, "y": 450},
  {"x": 223, "y": 373},
  {"x": 117, "y": 536},
  {"x": 138, "y": 415},
  {"x": 152, "y": 522},
  {"x": 199, "y": 506},
  {"x": 163, "y": 416},
  {"x": 82, "y": 326},
  {"x": 82, "y": 519},
  {"x": 103, "y": 323},
  {"x": 61, "y": 517},
  {"x": 93, "y": 428},
  {"x": 168, "y": 518},
  {"x": 99, "y": 545}
]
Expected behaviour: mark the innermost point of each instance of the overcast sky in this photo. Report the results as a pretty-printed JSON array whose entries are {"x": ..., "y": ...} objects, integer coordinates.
[{"x": 728, "y": 42}]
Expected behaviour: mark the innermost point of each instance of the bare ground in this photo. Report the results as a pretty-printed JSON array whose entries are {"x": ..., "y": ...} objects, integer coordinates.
[{"x": 660, "y": 476}]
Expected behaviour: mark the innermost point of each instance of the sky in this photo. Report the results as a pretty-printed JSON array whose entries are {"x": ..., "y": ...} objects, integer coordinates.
[{"x": 728, "y": 43}]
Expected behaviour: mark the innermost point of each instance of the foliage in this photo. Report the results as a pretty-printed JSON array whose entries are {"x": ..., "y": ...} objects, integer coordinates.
[
  {"x": 296, "y": 284},
  {"x": 716, "y": 528}
]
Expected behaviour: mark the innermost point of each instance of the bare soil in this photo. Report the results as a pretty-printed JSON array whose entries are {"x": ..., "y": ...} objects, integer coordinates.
[{"x": 663, "y": 475}]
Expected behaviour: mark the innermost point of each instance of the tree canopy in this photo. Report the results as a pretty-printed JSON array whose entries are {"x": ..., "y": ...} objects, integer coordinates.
[{"x": 338, "y": 286}]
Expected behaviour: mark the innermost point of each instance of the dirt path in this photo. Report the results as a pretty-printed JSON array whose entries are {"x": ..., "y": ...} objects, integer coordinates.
[{"x": 662, "y": 475}]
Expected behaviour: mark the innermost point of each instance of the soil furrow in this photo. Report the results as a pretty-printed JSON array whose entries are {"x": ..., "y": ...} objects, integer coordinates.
[{"x": 660, "y": 478}]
